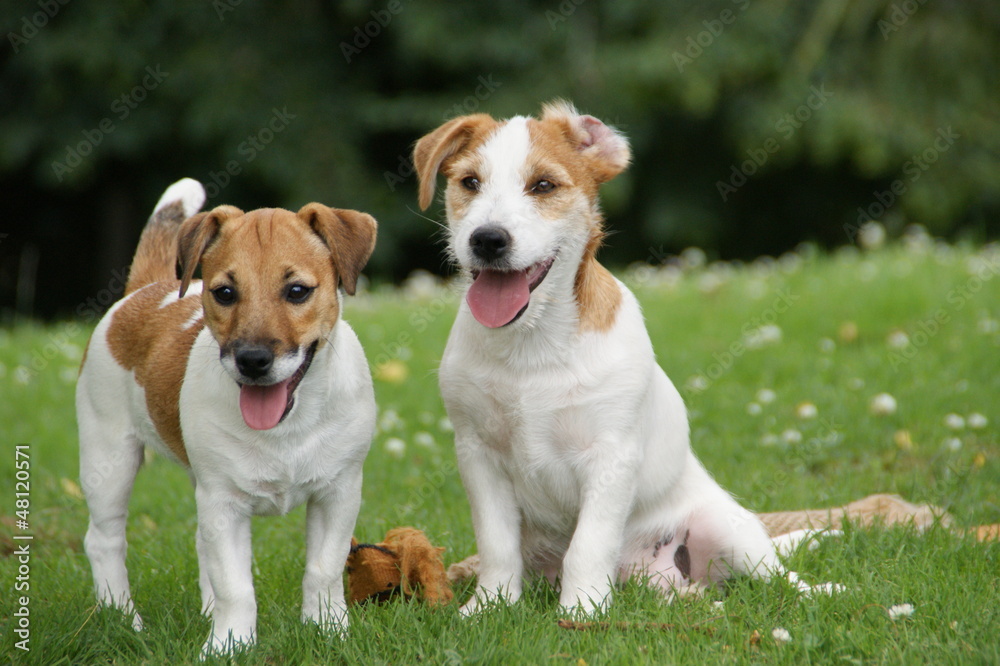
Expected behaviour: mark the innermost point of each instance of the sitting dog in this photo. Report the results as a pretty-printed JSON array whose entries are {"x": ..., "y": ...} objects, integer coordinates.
[
  {"x": 572, "y": 443},
  {"x": 249, "y": 379}
]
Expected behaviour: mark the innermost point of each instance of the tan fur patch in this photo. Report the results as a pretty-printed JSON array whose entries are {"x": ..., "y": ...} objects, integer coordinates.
[
  {"x": 434, "y": 152},
  {"x": 597, "y": 293},
  {"x": 152, "y": 342}
]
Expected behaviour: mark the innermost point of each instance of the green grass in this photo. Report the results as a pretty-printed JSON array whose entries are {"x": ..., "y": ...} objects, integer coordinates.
[{"x": 694, "y": 317}]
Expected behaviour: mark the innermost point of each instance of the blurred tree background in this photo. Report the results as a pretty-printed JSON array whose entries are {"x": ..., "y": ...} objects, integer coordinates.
[{"x": 755, "y": 124}]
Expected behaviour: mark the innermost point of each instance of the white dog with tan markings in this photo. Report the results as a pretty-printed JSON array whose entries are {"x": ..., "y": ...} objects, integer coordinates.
[
  {"x": 572, "y": 443},
  {"x": 249, "y": 379}
]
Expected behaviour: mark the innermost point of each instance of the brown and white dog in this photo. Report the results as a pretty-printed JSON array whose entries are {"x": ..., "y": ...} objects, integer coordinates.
[
  {"x": 572, "y": 442},
  {"x": 249, "y": 379}
]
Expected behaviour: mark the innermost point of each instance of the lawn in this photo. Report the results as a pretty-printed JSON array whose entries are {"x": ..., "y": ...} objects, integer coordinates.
[{"x": 779, "y": 362}]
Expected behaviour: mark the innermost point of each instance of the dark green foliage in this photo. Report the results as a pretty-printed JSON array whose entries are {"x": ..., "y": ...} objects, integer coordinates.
[{"x": 756, "y": 124}]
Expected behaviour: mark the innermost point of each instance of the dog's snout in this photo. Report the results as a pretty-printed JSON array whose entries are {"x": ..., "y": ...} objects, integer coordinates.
[
  {"x": 490, "y": 243},
  {"x": 254, "y": 361}
]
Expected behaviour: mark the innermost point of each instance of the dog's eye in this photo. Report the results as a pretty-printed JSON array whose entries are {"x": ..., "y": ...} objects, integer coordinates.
[
  {"x": 224, "y": 295},
  {"x": 471, "y": 183},
  {"x": 298, "y": 293},
  {"x": 543, "y": 186}
]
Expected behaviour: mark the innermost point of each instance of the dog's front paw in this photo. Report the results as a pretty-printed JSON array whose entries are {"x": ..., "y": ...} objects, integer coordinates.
[
  {"x": 333, "y": 621},
  {"x": 484, "y": 599},
  {"x": 576, "y": 603},
  {"x": 225, "y": 644}
]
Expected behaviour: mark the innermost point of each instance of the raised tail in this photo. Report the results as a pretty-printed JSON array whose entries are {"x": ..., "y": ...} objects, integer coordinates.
[{"x": 156, "y": 256}]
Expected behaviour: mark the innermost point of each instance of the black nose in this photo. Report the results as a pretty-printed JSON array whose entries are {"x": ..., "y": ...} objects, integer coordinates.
[
  {"x": 254, "y": 361},
  {"x": 489, "y": 243}
]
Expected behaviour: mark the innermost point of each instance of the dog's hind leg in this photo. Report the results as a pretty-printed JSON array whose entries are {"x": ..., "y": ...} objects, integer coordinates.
[
  {"x": 715, "y": 543},
  {"x": 110, "y": 457}
]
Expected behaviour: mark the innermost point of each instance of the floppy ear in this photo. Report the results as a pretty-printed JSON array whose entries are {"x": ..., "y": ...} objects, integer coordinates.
[
  {"x": 433, "y": 149},
  {"x": 196, "y": 234},
  {"x": 349, "y": 234},
  {"x": 606, "y": 147}
]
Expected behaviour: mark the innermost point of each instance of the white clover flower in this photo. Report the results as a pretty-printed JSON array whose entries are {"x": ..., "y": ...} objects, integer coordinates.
[
  {"x": 871, "y": 235},
  {"x": 806, "y": 410},
  {"x": 827, "y": 345},
  {"x": 390, "y": 420},
  {"x": 898, "y": 340},
  {"x": 693, "y": 257},
  {"x": 988, "y": 325},
  {"x": 444, "y": 425},
  {"x": 882, "y": 404},
  {"x": 421, "y": 285},
  {"x": 953, "y": 444},
  {"x": 753, "y": 409},
  {"x": 901, "y": 610},
  {"x": 781, "y": 635},
  {"x": 954, "y": 421},
  {"x": 768, "y": 334},
  {"x": 697, "y": 383},
  {"x": 770, "y": 439},
  {"x": 22, "y": 375},
  {"x": 791, "y": 436},
  {"x": 976, "y": 421},
  {"x": 424, "y": 439},
  {"x": 766, "y": 396},
  {"x": 395, "y": 447}
]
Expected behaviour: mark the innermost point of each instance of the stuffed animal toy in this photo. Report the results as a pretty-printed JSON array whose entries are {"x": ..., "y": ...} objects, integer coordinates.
[{"x": 405, "y": 562}]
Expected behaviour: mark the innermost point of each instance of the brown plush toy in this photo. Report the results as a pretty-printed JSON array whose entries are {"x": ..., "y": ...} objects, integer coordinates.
[{"x": 405, "y": 562}]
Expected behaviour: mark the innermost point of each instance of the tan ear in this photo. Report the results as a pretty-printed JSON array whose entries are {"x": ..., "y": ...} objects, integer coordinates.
[
  {"x": 446, "y": 141},
  {"x": 606, "y": 147},
  {"x": 349, "y": 234},
  {"x": 196, "y": 235}
]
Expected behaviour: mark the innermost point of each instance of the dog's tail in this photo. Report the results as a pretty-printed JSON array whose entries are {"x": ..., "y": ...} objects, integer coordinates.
[{"x": 156, "y": 256}]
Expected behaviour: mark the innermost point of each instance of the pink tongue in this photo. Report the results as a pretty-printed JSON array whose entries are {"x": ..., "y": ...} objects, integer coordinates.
[
  {"x": 262, "y": 406},
  {"x": 496, "y": 297}
]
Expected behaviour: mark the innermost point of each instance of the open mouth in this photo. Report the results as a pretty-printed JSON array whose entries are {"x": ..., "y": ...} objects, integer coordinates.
[
  {"x": 264, "y": 407},
  {"x": 497, "y": 298}
]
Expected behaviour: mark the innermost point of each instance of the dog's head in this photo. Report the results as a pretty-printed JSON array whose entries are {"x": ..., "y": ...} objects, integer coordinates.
[
  {"x": 270, "y": 292},
  {"x": 521, "y": 199}
]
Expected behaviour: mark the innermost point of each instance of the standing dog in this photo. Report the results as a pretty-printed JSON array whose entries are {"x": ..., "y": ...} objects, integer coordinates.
[
  {"x": 249, "y": 379},
  {"x": 571, "y": 441}
]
